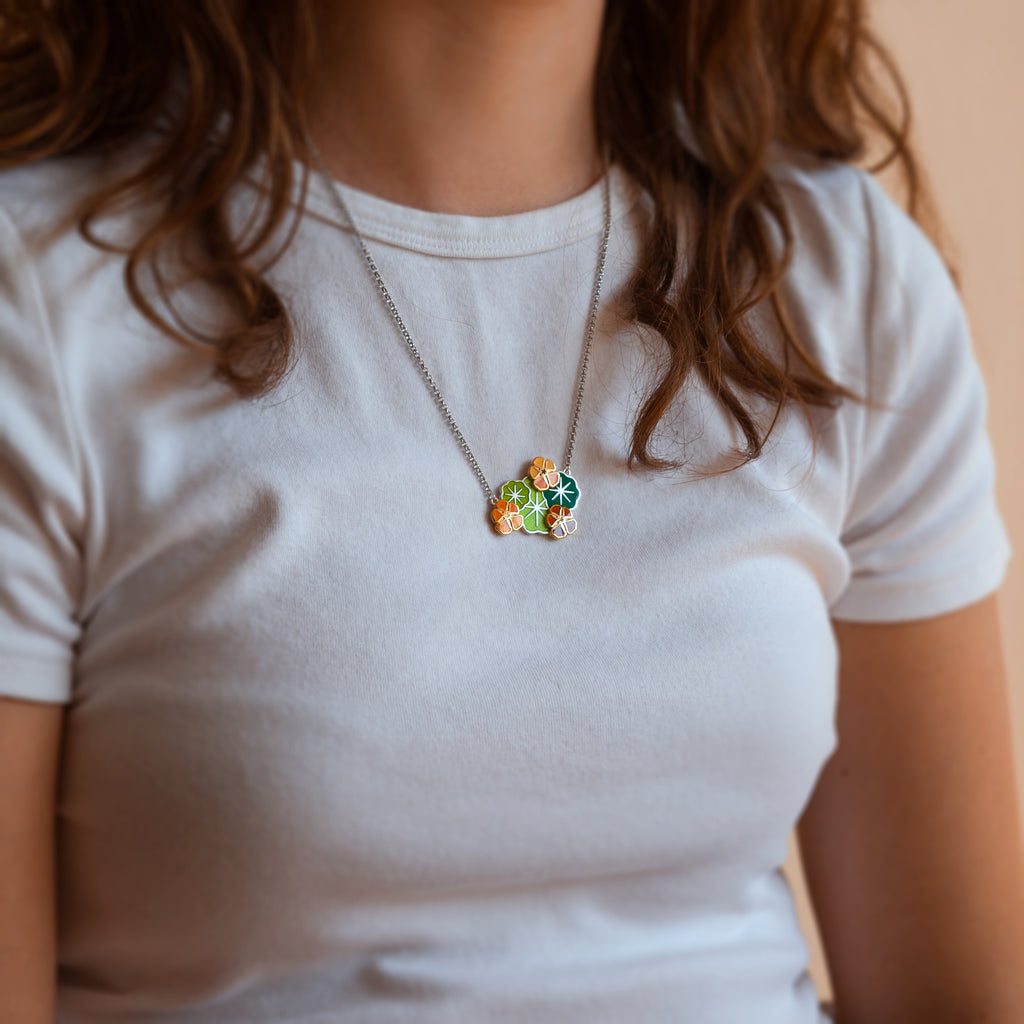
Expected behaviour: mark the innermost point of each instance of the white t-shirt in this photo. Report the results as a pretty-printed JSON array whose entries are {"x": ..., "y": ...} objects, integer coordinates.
[{"x": 336, "y": 751}]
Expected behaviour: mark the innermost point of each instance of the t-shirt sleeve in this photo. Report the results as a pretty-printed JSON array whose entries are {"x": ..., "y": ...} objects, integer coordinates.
[
  {"x": 41, "y": 498},
  {"x": 922, "y": 531}
]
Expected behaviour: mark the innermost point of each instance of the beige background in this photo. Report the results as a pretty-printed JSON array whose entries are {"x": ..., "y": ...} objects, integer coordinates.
[{"x": 965, "y": 72}]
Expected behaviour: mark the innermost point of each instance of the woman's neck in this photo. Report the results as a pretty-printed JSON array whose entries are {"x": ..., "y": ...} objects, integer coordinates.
[{"x": 460, "y": 106}]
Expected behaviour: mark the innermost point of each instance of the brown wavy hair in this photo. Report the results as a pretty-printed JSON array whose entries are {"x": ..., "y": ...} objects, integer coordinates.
[{"x": 226, "y": 81}]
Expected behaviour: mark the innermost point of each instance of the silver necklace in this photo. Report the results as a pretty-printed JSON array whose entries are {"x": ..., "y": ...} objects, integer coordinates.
[{"x": 544, "y": 499}]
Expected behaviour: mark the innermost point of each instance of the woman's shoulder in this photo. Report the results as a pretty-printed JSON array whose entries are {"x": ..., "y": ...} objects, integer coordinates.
[
  {"x": 869, "y": 287},
  {"x": 38, "y": 199},
  {"x": 47, "y": 261},
  {"x": 67, "y": 324},
  {"x": 41, "y": 208},
  {"x": 841, "y": 213},
  {"x": 872, "y": 296}
]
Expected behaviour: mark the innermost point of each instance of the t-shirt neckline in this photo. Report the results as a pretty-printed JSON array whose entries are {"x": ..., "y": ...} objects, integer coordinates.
[{"x": 474, "y": 237}]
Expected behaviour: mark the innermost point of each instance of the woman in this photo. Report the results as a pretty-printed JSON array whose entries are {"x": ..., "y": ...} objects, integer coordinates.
[{"x": 301, "y": 727}]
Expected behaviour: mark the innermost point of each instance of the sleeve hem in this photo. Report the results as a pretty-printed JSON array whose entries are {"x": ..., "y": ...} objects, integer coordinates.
[
  {"x": 36, "y": 679},
  {"x": 868, "y": 600}
]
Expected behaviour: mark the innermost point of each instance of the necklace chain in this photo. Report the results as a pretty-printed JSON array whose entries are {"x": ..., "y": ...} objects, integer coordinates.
[{"x": 435, "y": 391}]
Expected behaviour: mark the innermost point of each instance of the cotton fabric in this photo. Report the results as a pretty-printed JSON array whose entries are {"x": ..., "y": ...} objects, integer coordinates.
[{"x": 337, "y": 752}]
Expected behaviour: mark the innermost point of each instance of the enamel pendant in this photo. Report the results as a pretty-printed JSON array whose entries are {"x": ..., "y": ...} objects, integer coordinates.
[{"x": 542, "y": 502}]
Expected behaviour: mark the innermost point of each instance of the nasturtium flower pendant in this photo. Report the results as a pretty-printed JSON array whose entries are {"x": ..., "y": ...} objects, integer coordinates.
[
  {"x": 541, "y": 502},
  {"x": 506, "y": 517},
  {"x": 561, "y": 522},
  {"x": 543, "y": 473}
]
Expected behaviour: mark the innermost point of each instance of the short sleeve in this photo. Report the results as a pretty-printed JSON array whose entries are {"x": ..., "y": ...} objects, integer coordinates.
[
  {"x": 41, "y": 502},
  {"x": 922, "y": 531}
]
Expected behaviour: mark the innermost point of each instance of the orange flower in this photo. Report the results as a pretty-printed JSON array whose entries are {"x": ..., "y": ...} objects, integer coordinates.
[
  {"x": 543, "y": 473},
  {"x": 506, "y": 517},
  {"x": 561, "y": 522}
]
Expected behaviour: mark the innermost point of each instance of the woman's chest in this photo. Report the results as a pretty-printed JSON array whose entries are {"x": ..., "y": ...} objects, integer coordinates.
[{"x": 305, "y": 641}]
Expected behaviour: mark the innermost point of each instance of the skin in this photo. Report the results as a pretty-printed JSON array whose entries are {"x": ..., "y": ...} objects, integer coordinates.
[
  {"x": 459, "y": 106},
  {"x": 30, "y": 743},
  {"x": 911, "y": 840}
]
